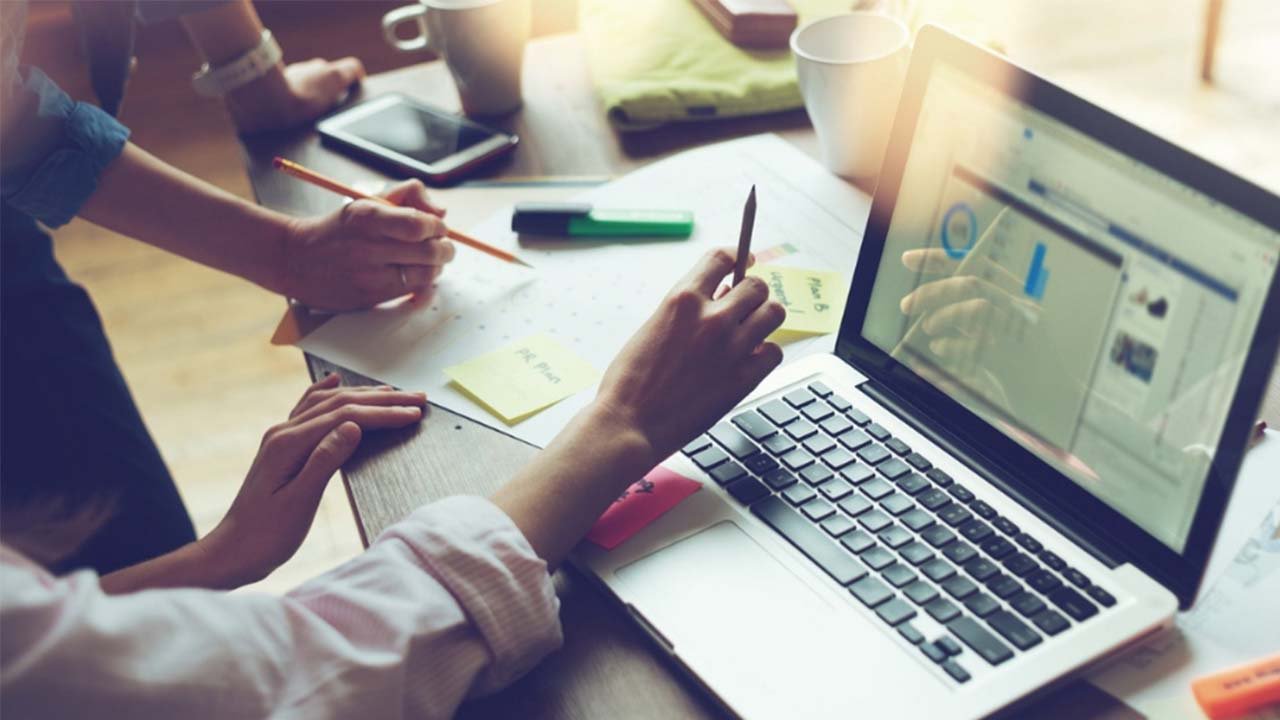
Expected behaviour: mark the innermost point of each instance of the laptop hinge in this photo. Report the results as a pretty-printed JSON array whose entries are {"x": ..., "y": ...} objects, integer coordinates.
[{"x": 992, "y": 472}]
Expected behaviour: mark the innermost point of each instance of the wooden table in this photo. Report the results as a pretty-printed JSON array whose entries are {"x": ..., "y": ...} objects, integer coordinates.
[{"x": 607, "y": 668}]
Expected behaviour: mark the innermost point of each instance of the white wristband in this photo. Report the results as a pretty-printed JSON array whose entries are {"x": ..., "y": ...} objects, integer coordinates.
[{"x": 216, "y": 82}]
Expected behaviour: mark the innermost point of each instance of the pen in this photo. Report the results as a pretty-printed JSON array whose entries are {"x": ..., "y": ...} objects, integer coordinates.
[
  {"x": 744, "y": 237},
  {"x": 292, "y": 168}
]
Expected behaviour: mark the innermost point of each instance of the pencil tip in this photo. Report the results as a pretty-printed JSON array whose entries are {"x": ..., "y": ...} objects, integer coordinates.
[{"x": 277, "y": 162}]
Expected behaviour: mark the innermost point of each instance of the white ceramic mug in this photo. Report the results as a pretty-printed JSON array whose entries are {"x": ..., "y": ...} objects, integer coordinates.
[
  {"x": 482, "y": 42},
  {"x": 851, "y": 69}
]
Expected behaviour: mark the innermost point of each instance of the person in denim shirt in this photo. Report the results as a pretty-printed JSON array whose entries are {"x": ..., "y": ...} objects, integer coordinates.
[{"x": 70, "y": 430}]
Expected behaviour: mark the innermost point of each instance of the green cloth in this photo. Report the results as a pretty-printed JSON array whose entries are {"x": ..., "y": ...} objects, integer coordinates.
[{"x": 656, "y": 61}]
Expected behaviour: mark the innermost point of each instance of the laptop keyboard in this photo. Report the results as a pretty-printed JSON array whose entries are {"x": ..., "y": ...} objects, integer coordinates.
[{"x": 902, "y": 536}]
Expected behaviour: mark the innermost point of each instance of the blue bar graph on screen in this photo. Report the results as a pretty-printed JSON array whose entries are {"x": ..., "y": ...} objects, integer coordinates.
[{"x": 1037, "y": 274}]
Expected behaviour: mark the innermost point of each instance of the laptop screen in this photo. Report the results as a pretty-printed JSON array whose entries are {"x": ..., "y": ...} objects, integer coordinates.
[{"x": 1089, "y": 307}]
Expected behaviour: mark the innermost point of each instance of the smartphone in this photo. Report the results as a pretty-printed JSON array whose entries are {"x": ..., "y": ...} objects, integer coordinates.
[{"x": 415, "y": 138}]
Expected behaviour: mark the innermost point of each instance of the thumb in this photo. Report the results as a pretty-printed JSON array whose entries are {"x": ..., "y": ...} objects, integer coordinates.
[{"x": 332, "y": 450}]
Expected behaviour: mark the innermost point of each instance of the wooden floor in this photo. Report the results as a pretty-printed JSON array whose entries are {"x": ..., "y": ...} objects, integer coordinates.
[{"x": 193, "y": 342}]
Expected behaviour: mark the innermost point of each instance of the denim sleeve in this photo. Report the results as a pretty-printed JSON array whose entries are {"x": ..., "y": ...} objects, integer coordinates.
[{"x": 54, "y": 150}]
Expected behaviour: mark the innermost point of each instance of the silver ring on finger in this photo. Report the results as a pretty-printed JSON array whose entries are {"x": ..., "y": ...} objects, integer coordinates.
[{"x": 404, "y": 279}]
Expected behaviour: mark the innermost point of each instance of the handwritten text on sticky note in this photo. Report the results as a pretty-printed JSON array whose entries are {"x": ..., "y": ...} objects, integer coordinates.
[
  {"x": 814, "y": 299},
  {"x": 524, "y": 377},
  {"x": 640, "y": 504}
]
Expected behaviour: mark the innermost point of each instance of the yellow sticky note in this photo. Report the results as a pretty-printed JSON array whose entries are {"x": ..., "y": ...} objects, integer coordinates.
[
  {"x": 523, "y": 377},
  {"x": 814, "y": 299}
]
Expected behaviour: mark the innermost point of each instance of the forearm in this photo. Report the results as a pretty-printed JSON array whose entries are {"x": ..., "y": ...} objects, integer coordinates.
[
  {"x": 190, "y": 566},
  {"x": 557, "y": 497},
  {"x": 142, "y": 197}
]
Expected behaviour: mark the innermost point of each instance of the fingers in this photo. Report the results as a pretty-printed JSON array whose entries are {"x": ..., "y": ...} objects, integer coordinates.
[
  {"x": 385, "y": 283},
  {"x": 367, "y": 395},
  {"x": 935, "y": 261},
  {"x": 933, "y": 295},
  {"x": 759, "y": 325},
  {"x": 430, "y": 252},
  {"x": 334, "y": 449},
  {"x": 708, "y": 272},
  {"x": 967, "y": 318},
  {"x": 375, "y": 220},
  {"x": 412, "y": 193},
  {"x": 745, "y": 297},
  {"x": 759, "y": 364}
]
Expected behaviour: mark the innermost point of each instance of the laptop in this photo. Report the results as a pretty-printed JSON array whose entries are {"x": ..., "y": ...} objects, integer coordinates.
[{"x": 1016, "y": 460}]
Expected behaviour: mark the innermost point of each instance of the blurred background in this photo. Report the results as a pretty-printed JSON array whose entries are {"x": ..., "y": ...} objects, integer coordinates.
[{"x": 193, "y": 343}]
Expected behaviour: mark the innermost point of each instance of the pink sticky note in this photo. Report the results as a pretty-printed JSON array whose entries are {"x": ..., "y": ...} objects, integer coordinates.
[{"x": 640, "y": 504}]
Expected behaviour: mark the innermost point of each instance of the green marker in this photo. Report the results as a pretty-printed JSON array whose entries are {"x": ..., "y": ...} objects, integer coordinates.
[{"x": 582, "y": 220}]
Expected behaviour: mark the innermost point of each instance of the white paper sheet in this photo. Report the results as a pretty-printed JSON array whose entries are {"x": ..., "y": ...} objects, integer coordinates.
[
  {"x": 592, "y": 295},
  {"x": 1234, "y": 621}
]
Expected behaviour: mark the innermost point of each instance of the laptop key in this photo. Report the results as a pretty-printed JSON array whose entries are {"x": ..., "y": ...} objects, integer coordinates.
[
  {"x": 1044, "y": 581},
  {"x": 854, "y": 439},
  {"x": 975, "y": 531},
  {"x": 818, "y": 443},
  {"x": 877, "y": 558},
  {"x": 857, "y": 541},
  {"x": 870, "y": 591},
  {"x": 997, "y": 548},
  {"x": 898, "y": 575},
  {"x": 838, "y": 459},
  {"x": 961, "y": 493},
  {"x": 894, "y": 537},
  {"x": 934, "y": 499},
  {"x": 837, "y": 525},
  {"x": 839, "y": 403},
  {"x": 916, "y": 519},
  {"x": 948, "y": 645},
  {"x": 873, "y": 454},
  {"x": 895, "y": 611},
  {"x": 934, "y": 653},
  {"x": 857, "y": 474},
  {"x": 779, "y": 444},
  {"x": 980, "y": 640},
  {"x": 1004, "y": 587},
  {"x": 918, "y": 461},
  {"x": 916, "y": 552},
  {"x": 1006, "y": 526},
  {"x": 893, "y": 469},
  {"x": 937, "y": 570},
  {"x": 1027, "y": 604},
  {"x": 835, "y": 490},
  {"x": 738, "y": 445},
  {"x": 1076, "y": 578},
  {"x": 797, "y": 459},
  {"x": 778, "y": 412},
  {"x": 1021, "y": 564},
  {"x": 754, "y": 425},
  {"x": 897, "y": 446},
  {"x": 920, "y": 593},
  {"x": 913, "y": 484},
  {"x": 981, "y": 604},
  {"x": 938, "y": 536},
  {"x": 982, "y": 509},
  {"x": 817, "y": 412},
  {"x": 960, "y": 552},
  {"x": 1032, "y": 545},
  {"x": 799, "y": 398},
  {"x": 897, "y": 504},
  {"x": 836, "y": 425},
  {"x": 819, "y": 388},
  {"x": 910, "y": 633},
  {"x": 816, "y": 474},
  {"x": 879, "y": 432},
  {"x": 1011, "y": 628},
  {"x": 939, "y": 477},
  {"x": 855, "y": 505},
  {"x": 857, "y": 416},
  {"x": 1051, "y": 560},
  {"x": 1050, "y": 622},
  {"x": 800, "y": 430},
  {"x": 799, "y": 494},
  {"x": 778, "y": 479},
  {"x": 981, "y": 568},
  {"x": 747, "y": 490},
  {"x": 876, "y": 489},
  {"x": 697, "y": 444},
  {"x": 954, "y": 515},
  {"x": 874, "y": 521},
  {"x": 942, "y": 610},
  {"x": 709, "y": 458},
  {"x": 1073, "y": 603},
  {"x": 1100, "y": 596},
  {"x": 760, "y": 463},
  {"x": 728, "y": 472},
  {"x": 817, "y": 510},
  {"x": 959, "y": 587},
  {"x": 956, "y": 672},
  {"x": 809, "y": 540}
]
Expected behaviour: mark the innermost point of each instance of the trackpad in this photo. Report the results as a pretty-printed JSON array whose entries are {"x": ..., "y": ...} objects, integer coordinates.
[{"x": 728, "y": 607}]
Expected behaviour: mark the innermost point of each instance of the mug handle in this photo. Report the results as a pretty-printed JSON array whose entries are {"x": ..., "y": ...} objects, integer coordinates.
[{"x": 401, "y": 14}]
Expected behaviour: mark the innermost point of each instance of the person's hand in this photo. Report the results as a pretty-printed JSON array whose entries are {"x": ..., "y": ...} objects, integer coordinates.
[
  {"x": 293, "y": 95},
  {"x": 277, "y": 502},
  {"x": 366, "y": 252},
  {"x": 695, "y": 358}
]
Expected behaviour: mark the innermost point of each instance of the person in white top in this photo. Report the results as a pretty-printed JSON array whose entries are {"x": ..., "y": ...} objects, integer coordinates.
[{"x": 452, "y": 602}]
